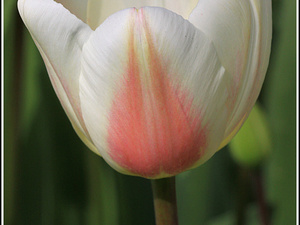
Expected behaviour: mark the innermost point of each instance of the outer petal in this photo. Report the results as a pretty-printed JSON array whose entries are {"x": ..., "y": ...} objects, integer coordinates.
[
  {"x": 98, "y": 11},
  {"x": 59, "y": 36},
  {"x": 153, "y": 93},
  {"x": 241, "y": 31}
]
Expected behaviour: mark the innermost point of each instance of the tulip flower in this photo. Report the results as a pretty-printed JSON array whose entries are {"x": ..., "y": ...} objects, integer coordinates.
[{"x": 154, "y": 87}]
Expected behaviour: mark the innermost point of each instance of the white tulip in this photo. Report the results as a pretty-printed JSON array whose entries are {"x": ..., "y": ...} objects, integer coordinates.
[{"x": 154, "y": 87}]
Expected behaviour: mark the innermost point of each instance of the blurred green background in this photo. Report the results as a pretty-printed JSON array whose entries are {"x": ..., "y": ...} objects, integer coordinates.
[{"x": 52, "y": 178}]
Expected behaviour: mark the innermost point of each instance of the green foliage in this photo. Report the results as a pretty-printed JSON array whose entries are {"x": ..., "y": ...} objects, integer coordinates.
[
  {"x": 228, "y": 218},
  {"x": 52, "y": 178},
  {"x": 252, "y": 143},
  {"x": 281, "y": 107}
]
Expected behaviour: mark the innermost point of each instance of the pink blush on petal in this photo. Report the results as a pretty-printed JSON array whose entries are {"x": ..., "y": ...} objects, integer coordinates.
[{"x": 152, "y": 128}]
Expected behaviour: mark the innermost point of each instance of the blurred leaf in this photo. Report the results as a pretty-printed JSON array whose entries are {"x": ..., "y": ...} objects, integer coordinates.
[
  {"x": 102, "y": 204},
  {"x": 281, "y": 107},
  {"x": 11, "y": 104},
  {"x": 207, "y": 191},
  {"x": 193, "y": 196},
  {"x": 225, "y": 219},
  {"x": 30, "y": 98},
  {"x": 136, "y": 203},
  {"x": 10, "y": 7},
  {"x": 228, "y": 218},
  {"x": 252, "y": 143}
]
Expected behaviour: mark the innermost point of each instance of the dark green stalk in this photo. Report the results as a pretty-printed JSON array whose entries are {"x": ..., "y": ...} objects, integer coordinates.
[
  {"x": 260, "y": 196},
  {"x": 242, "y": 196},
  {"x": 165, "y": 206}
]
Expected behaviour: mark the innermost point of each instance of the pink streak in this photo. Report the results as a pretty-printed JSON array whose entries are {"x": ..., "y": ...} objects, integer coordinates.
[{"x": 152, "y": 126}]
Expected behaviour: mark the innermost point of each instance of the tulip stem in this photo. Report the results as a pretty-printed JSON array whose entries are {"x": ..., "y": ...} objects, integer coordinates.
[{"x": 165, "y": 206}]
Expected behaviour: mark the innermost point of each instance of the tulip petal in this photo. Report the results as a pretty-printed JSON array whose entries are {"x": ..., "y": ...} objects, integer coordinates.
[
  {"x": 153, "y": 93},
  {"x": 98, "y": 11},
  {"x": 241, "y": 31},
  {"x": 59, "y": 36}
]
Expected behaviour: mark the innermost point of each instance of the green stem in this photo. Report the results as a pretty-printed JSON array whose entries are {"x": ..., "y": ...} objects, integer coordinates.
[
  {"x": 165, "y": 206},
  {"x": 260, "y": 195},
  {"x": 242, "y": 196}
]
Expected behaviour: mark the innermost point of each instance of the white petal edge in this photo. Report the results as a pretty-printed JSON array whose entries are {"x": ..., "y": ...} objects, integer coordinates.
[
  {"x": 59, "y": 36},
  {"x": 241, "y": 31}
]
